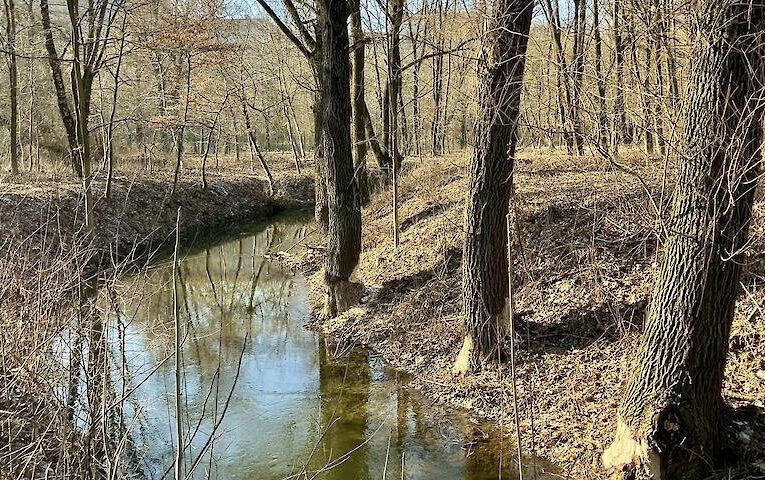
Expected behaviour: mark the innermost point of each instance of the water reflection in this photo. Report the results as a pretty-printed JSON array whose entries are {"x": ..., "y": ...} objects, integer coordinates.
[{"x": 296, "y": 405}]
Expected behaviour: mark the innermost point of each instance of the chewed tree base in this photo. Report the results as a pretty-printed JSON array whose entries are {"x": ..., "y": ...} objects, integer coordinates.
[
  {"x": 666, "y": 447},
  {"x": 486, "y": 348},
  {"x": 339, "y": 297}
]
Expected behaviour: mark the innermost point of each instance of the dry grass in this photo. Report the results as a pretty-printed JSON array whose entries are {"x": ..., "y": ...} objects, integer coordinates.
[{"x": 588, "y": 247}]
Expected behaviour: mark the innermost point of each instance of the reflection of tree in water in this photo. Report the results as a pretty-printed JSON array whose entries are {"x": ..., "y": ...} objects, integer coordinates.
[
  {"x": 326, "y": 415},
  {"x": 226, "y": 294},
  {"x": 344, "y": 386},
  {"x": 221, "y": 289}
]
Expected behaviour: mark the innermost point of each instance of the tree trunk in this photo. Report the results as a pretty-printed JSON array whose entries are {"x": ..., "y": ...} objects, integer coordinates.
[
  {"x": 344, "y": 206},
  {"x": 321, "y": 209},
  {"x": 64, "y": 108},
  {"x": 292, "y": 139},
  {"x": 670, "y": 419},
  {"x": 552, "y": 10},
  {"x": 619, "y": 121},
  {"x": 437, "y": 129},
  {"x": 110, "y": 128},
  {"x": 485, "y": 278},
  {"x": 602, "y": 127},
  {"x": 580, "y": 23},
  {"x": 395, "y": 74},
  {"x": 254, "y": 145},
  {"x": 646, "y": 96},
  {"x": 321, "y": 212},
  {"x": 359, "y": 103},
  {"x": 82, "y": 76},
  {"x": 13, "y": 82},
  {"x": 181, "y": 128}
]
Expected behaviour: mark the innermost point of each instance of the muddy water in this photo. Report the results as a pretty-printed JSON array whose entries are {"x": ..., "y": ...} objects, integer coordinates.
[{"x": 265, "y": 398}]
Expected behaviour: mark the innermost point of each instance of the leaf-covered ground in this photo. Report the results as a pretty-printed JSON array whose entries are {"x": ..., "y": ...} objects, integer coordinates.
[{"x": 586, "y": 248}]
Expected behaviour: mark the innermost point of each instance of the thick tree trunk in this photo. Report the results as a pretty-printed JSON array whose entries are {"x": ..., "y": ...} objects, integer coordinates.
[
  {"x": 485, "y": 268},
  {"x": 343, "y": 200},
  {"x": 321, "y": 213},
  {"x": 670, "y": 419}
]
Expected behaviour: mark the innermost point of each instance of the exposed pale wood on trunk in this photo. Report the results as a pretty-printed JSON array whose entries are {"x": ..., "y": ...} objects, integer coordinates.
[
  {"x": 670, "y": 418},
  {"x": 484, "y": 270}
]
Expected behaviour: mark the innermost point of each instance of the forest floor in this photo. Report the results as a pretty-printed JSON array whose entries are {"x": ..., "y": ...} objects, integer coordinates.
[
  {"x": 586, "y": 250},
  {"x": 47, "y": 260}
]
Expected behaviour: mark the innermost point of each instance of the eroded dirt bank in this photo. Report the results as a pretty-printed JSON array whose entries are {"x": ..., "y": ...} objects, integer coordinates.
[
  {"x": 45, "y": 259},
  {"x": 584, "y": 265}
]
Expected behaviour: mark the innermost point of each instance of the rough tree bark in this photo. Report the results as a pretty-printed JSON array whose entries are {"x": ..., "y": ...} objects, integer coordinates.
[
  {"x": 343, "y": 200},
  {"x": 671, "y": 418},
  {"x": 484, "y": 276}
]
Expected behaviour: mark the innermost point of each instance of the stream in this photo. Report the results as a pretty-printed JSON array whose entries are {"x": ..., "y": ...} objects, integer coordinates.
[{"x": 262, "y": 396}]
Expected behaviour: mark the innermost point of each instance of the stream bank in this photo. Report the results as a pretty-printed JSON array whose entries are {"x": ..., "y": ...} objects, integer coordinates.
[
  {"x": 46, "y": 258},
  {"x": 586, "y": 250}
]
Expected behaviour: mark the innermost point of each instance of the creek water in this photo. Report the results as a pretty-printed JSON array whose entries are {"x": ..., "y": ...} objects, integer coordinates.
[{"x": 262, "y": 396}]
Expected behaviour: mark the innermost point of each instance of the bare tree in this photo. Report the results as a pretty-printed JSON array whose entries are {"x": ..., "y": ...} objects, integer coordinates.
[
  {"x": 343, "y": 200},
  {"x": 62, "y": 97},
  {"x": 485, "y": 268},
  {"x": 13, "y": 81},
  {"x": 310, "y": 45},
  {"x": 671, "y": 417}
]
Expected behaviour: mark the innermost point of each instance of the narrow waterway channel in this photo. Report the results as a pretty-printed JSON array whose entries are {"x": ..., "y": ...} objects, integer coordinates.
[{"x": 277, "y": 400}]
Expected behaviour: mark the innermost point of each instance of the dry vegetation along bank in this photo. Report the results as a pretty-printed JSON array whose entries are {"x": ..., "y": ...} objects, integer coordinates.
[
  {"x": 45, "y": 260},
  {"x": 586, "y": 249}
]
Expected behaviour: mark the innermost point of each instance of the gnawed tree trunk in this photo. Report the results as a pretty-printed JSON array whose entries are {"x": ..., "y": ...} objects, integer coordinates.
[
  {"x": 671, "y": 417},
  {"x": 343, "y": 201},
  {"x": 484, "y": 276}
]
